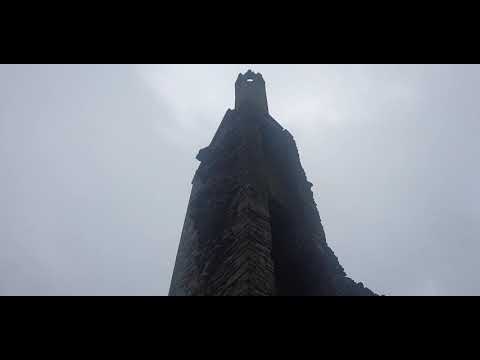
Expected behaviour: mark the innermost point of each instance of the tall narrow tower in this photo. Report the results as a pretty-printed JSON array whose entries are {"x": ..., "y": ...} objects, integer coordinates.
[{"x": 252, "y": 225}]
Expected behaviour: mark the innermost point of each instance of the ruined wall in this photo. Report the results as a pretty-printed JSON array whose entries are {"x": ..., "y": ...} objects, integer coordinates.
[
  {"x": 228, "y": 230},
  {"x": 252, "y": 226}
]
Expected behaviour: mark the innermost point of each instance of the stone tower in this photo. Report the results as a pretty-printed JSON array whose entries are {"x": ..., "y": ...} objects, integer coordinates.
[{"x": 252, "y": 225}]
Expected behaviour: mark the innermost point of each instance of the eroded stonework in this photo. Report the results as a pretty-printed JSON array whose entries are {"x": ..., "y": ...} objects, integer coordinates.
[{"x": 252, "y": 225}]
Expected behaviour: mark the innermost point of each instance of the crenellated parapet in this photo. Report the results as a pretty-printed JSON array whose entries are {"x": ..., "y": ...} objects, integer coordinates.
[{"x": 250, "y": 92}]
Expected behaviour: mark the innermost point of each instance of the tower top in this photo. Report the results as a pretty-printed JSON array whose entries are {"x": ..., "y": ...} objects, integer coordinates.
[{"x": 250, "y": 92}]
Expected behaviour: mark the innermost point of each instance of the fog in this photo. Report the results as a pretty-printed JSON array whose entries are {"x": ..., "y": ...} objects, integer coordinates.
[{"x": 97, "y": 163}]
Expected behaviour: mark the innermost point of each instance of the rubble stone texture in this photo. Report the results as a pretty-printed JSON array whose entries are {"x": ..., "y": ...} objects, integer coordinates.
[{"x": 252, "y": 225}]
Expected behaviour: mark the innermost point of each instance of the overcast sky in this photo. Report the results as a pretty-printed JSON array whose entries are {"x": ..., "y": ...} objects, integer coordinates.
[{"x": 97, "y": 162}]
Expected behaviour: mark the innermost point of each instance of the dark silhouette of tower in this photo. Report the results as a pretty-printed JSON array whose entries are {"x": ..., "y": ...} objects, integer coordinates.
[{"x": 252, "y": 225}]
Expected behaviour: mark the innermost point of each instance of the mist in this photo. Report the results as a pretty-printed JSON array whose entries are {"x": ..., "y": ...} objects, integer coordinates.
[{"x": 97, "y": 163}]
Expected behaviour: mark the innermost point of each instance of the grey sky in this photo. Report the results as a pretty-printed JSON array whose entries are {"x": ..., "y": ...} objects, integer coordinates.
[{"x": 97, "y": 162}]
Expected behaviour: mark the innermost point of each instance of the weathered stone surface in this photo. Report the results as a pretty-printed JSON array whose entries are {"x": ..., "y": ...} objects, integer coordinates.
[{"x": 252, "y": 225}]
